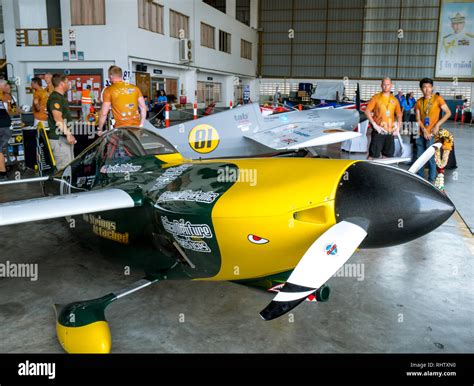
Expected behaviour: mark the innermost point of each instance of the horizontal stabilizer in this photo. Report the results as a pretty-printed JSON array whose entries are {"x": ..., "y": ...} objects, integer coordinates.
[{"x": 300, "y": 135}]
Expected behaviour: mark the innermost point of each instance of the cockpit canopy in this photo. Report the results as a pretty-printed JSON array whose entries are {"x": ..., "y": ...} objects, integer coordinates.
[
  {"x": 128, "y": 142},
  {"x": 117, "y": 151}
]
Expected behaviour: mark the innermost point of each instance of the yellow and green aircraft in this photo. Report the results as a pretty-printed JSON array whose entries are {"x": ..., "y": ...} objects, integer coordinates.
[{"x": 282, "y": 224}]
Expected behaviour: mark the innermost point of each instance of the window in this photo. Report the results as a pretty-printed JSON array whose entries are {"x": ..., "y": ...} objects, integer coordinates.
[
  {"x": 208, "y": 92},
  {"x": 150, "y": 16},
  {"x": 217, "y": 4},
  {"x": 207, "y": 36},
  {"x": 242, "y": 11},
  {"x": 245, "y": 49},
  {"x": 178, "y": 22},
  {"x": 224, "y": 41},
  {"x": 87, "y": 12}
]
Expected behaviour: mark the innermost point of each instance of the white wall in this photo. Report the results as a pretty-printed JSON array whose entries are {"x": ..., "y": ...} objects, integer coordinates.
[
  {"x": 142, "y": 43},
  {"x": 368, "y": 87},
  {"x": 121, "y": 42}
]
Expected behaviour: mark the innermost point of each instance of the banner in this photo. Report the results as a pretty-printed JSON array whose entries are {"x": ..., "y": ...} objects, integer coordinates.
[{"x": 456, "y": 40}]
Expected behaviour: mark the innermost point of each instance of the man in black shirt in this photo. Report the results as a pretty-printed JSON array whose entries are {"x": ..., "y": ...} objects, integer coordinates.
[{"x": 59, "y": 119}]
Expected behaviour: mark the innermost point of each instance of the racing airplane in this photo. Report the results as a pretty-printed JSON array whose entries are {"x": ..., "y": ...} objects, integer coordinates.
[
  {"x": 245, "y": 132},
  {"x": 280, "y": 224}
]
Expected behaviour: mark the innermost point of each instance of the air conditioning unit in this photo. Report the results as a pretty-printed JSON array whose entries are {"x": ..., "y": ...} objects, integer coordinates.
[{"x": 185, "y": 51}]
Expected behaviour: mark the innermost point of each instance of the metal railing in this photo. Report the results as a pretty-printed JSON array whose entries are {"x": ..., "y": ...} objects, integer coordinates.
[{"x": 39, "y": 37}]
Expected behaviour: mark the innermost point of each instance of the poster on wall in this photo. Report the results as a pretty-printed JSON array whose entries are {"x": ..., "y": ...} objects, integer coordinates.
[
  {"x": 456, "y": 39},
  {"x": 72, "y": 45}
]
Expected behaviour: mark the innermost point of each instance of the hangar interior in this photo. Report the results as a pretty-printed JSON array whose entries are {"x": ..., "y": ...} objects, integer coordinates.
[{"x": 415, "y": 297}]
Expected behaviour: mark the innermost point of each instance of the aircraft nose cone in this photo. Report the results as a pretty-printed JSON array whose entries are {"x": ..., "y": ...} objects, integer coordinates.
[{"x": 396, "y": 206}]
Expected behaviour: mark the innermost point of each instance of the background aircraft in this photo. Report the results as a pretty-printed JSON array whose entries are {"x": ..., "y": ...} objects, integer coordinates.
[{"x": 244, "y": 132}]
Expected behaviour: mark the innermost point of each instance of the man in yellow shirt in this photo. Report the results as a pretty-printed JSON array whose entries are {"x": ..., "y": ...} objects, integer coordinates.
[
  {"x": 40, "y": 99},
  {"x": 125, "y": 99},
  {"x": 385, "y": 115},
  {"x": 428, "y": 110},
  {"x": 49, "y": 85}
]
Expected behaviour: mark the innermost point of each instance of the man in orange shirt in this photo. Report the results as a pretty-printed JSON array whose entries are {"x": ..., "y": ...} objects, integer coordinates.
[
  {"x": 40, "y": 99},
  {"x": 384, "y": 113},
  {"x": 428, "y": 110},
  {"x": 125, "y": 99}
]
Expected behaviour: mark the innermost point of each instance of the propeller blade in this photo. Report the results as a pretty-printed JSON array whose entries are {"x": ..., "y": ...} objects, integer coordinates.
[
  {"x": 425, "y": 157},
  {"x": 320, "y": 262}
]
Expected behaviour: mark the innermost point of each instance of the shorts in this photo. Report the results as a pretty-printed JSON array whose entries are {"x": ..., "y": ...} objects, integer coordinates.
[
  {"x": 45, "y": 123},
  {"x": 381, "y": 143},
  {"x": 63, "y": 152},
  {"x": 5, "y": 135}
]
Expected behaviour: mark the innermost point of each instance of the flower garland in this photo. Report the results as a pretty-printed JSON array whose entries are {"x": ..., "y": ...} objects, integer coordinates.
[{"x": 446, "y": 139}]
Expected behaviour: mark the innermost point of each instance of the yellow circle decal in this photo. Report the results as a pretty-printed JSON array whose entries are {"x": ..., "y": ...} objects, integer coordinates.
[{"x": 203, "y": 139}]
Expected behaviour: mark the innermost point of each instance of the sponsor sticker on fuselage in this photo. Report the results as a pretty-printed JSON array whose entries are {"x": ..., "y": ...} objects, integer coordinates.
[
  {"x": 189, "y": 195},
  {"x": 169, "y": 176},
  {"x": 120, "y": 168},
  {"x": 188, "y": 235}
]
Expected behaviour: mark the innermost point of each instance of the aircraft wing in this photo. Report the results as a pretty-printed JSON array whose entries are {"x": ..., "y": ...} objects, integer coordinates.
[
  {"x": 294, "y": 136},
  {"x": 61, "y": 206}
]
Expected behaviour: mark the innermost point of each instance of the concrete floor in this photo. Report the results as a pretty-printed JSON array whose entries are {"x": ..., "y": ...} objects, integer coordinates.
[{"x": 413, "y": 298}]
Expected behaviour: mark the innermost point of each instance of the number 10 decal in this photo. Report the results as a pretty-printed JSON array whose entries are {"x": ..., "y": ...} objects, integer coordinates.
[{"x": 203, "y": 139}]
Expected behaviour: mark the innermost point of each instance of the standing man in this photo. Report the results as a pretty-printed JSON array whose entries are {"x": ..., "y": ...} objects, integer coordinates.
[
  {"x": 5, "y": 132},
  {"x": 276, "y": 97},
  {"x": 160, "y": 106},
  {"x": 385, "y": 115},
  {"x": 9, "y": 100},
  {"x": 400, "y": 97},
  {"x": 125, "y": 99},
  {"x": 428, "y": 110},
  {"x": 59, "y": 116},
  {"x": 48, "y": 77},
  {"x": 86, "y": 102},
  {"x": 40, "y": 99}
]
